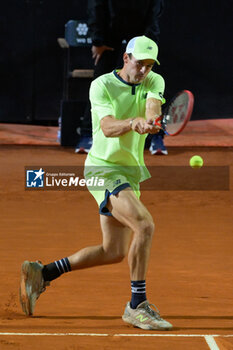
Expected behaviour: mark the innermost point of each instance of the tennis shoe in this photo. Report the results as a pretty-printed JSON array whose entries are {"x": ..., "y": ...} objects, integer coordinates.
[
  {"x": 145, "y": 317},
  {"x": 157, "y": 146},
  {"x": 32, "y": 285}
]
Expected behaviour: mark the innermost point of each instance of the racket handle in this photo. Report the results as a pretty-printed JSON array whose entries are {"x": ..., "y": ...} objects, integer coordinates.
[
  {"x": 156, "y": 122},
  {"x": 158, "y": 118}
]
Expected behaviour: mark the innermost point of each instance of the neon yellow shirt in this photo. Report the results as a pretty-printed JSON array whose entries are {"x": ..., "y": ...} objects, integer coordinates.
[{"x": 110, "y": 95}]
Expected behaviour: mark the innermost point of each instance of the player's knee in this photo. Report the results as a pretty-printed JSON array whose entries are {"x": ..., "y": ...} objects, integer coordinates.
[
  {"x": 144, "y": 223},
  {"x": 146, "y": 228}
]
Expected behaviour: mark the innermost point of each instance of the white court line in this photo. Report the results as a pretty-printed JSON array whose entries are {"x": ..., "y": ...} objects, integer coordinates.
[
  {"x": 206, "y": 336},
  {"x": 172, "y": 335},
  {"x": 211, "y": 342}
]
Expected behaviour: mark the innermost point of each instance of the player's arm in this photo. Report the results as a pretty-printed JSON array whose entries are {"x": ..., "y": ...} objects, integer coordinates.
[
  {"x": 113, "y": 127},
  {"x": 153, "y": 111},
  {"x": 153, "y": 108}
]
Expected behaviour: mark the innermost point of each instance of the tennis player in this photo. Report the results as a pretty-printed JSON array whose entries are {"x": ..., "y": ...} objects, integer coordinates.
[{"x": 124, "y": 104}]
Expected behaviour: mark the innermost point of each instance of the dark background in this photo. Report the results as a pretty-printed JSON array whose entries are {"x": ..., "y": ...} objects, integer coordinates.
[{"x": 195, "y": 54}]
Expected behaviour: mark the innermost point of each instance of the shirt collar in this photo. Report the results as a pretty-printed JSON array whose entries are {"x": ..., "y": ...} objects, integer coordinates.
[{"x": 122, "y": 80}]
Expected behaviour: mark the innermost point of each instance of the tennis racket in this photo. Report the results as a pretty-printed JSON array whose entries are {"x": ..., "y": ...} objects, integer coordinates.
[{"x": 177, "y": 113}]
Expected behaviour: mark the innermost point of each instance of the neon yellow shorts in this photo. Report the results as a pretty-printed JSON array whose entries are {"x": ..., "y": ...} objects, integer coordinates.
[{"x": 103, "y": 185}]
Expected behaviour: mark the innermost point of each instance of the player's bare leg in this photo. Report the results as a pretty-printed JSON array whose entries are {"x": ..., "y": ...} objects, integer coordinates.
[
  {"x": 128, "y": 209},
  {"x": 129, "y": 215},
  {"x": 131, "y": 212},
  {"x": 116, "y": 238}
]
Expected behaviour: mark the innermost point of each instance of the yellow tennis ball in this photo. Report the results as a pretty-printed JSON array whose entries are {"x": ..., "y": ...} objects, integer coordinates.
[{"x": 196, "y": 162}]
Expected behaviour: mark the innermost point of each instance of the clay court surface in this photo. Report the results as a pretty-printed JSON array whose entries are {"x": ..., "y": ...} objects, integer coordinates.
[{"x": 190, "y": 273}]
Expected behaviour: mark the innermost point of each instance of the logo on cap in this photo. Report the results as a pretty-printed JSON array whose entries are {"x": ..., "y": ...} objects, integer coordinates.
[{"x": 150, "y": 48}]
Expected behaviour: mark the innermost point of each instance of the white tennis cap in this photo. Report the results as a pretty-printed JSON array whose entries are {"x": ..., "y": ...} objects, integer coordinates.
[{"x": 143, "y": 48}]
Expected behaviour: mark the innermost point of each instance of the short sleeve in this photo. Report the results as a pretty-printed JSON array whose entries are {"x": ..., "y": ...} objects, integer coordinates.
[
  {"x": 156, "y": 87},
  {"x": 100, "y": 101}
]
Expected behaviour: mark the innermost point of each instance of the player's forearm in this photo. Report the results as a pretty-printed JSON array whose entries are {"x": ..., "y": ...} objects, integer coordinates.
[
  {"x": 112, "y": 127},
  {"x": 153, "y": 108}
]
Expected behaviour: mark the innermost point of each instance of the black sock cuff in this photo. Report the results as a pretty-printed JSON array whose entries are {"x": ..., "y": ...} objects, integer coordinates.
[
  {"x": 63, "y": 265},
  {"x": 52, "y": 271}
]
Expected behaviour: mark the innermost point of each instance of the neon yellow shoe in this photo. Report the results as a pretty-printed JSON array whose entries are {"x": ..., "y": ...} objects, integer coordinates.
[
  {"x": 32, "y": 285},
  {"x": 145, "y": 317}
]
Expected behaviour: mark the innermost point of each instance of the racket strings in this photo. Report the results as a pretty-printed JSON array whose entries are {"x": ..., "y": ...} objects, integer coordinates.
[{"x": 177, "y": 113}]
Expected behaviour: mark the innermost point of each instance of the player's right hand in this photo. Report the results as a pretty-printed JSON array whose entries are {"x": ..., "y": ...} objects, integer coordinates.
[{"x": 141, "y": 126}]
